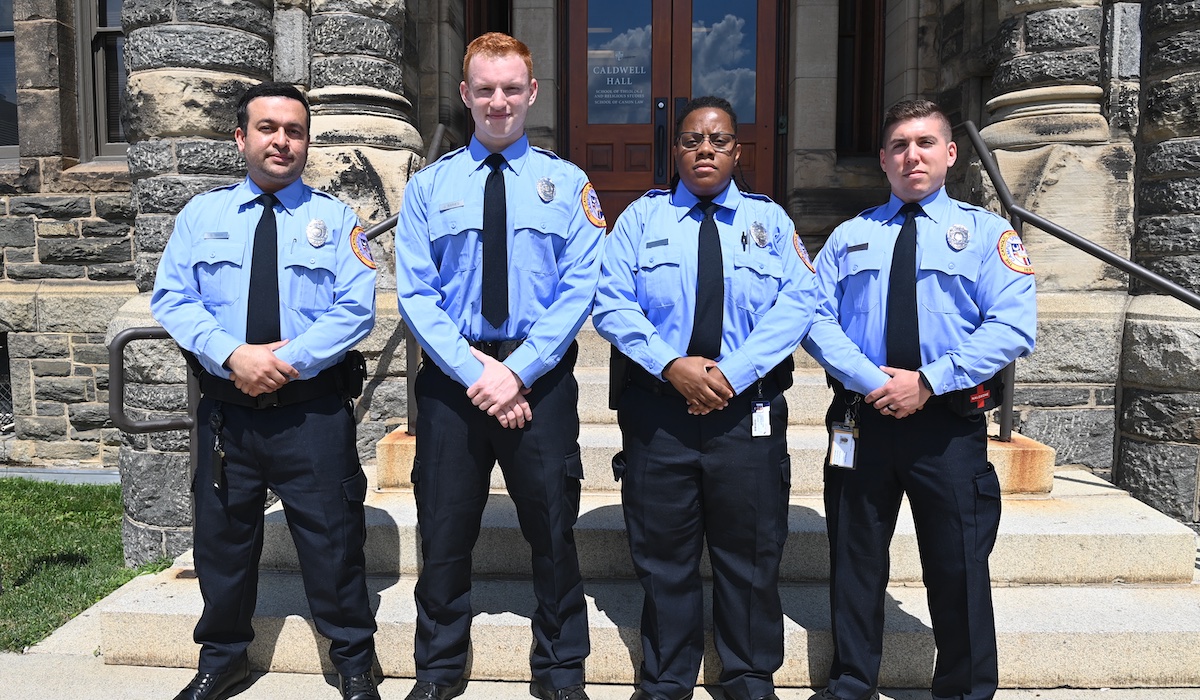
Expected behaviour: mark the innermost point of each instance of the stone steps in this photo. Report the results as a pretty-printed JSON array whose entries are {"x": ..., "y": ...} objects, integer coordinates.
[
  {"x": 1087, "y": 532},
  {"x": 1048, "y": 636}
]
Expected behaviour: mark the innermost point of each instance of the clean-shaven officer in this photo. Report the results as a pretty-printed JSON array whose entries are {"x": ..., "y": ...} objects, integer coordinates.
[
  {"x": 497, "y": 251},
  {"x": 708, "y": 290},
  {"x": 268, "y": 283},
  {"x": 923, "y": 300}
]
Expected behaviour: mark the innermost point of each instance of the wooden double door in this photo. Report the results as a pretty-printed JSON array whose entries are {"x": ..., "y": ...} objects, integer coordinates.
[{"x": 631, "y": 66}]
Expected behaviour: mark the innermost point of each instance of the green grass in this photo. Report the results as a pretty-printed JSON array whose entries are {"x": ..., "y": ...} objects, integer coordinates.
[{"x": 60, "y": 552}]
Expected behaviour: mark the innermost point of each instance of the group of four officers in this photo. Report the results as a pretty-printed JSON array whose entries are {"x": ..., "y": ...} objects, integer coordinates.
[{"x": 705, "y": 288}]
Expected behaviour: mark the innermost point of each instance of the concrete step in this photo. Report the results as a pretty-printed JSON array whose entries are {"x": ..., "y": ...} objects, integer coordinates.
[
  {"x": 807, "y": 398},
  {"x": 1024, "y": 466},
  {"x": 1088, "y": 532},
  {"x": 1048, "y": 636}
]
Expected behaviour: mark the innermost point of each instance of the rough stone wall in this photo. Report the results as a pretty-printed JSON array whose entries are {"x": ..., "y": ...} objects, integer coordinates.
[
  {"x": 189, "y": 60},
  {"x": 66, "y": 249},
  {"x": 1054, "y": 65},
  {"x": 1159, "y": 456}
]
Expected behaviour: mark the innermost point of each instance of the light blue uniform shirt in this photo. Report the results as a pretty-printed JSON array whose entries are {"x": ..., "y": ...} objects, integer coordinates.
[
  {"x": 646, "y": 301},
  {"x": 976, "y": 307},
  {"x": 553, "y": 258},
  {"x": 326, "y": 291}
]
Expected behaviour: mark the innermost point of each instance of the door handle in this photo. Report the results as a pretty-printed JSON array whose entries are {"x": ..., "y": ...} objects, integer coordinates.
[{"x": 662, "y": 151}]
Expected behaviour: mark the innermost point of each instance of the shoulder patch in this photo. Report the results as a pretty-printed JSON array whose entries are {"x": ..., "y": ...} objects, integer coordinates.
[
  {"x": 1012, "y": 252},
  {"x": 802, "y": 251},
  {"x": 361, "y": 246},
  {"x": 591, "y": 206}
]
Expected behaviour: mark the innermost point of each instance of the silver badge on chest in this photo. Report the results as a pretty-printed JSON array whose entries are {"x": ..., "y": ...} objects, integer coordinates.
[
  {"x": 545, "y": 188},
  {"x": 316, "y": 232},
  {"x": 957, "y": 236},
  {"x": 759, "y": 233}
]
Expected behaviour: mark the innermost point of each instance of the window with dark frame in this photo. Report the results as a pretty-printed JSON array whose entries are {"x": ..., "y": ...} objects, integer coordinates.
[
  {"x": 102, "y": 77},
  {"x": 860, "y": 76},
  {"x": 8, "y": 82}
]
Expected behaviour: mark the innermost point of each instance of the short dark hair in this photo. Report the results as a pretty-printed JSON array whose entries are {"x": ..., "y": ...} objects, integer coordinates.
[
  {"x": 271, "y": 90},
  {"x": 705, "y": 102},
  {"x": 913, "y": 109}
]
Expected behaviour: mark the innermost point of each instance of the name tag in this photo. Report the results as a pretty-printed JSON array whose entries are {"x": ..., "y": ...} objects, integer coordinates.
[
  {"x": 211, "y": 235},
  {"x": 659, "y": 242},
  {"x": 450, "y": 205}
]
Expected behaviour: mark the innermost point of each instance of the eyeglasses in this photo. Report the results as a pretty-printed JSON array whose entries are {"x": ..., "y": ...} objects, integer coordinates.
[{"x": 721, "y": 142}]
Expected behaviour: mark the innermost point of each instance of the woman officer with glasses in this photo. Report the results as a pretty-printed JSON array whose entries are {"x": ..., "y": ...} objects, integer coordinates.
[{"x": 708, "y": 291}]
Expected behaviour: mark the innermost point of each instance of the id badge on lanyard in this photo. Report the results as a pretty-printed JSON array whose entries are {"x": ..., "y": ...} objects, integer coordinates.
[{"x": 843, "y": 439}]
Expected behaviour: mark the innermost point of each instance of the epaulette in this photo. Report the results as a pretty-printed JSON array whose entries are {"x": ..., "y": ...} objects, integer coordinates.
[
  {"x": 220, "y": 188},
  {"x": 869, "y": 210},
  {"x": 757, "y": 196},
  {"x": 326, "y": 195},
  {"x": 656, "y": 193},
  {"x": 447, "y": 155},
  {"x": 546, "y": 151}
]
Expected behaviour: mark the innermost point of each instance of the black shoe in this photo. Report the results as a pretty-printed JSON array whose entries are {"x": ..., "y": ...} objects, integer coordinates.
[
  {"x": 358, "y": 687},
  {"x": 424, "y": 690},
  {"x": 769, "y": 696},
  {"x": 640, "y": 694},
  {"x": 571, "y": 692},
  {"x": 826, "y": 694},
  {"x": 215, "y": 686}
]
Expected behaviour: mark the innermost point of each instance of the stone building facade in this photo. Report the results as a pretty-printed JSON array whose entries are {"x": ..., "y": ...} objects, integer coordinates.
[{"x": 1091, "y": 107}]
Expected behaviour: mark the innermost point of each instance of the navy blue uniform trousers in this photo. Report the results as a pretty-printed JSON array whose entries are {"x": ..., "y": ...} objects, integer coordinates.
[
  {"x": 939, "y": 459},
  {"x": 687, "y": 478},
  {"x": 457, "y": 446},
  {"x": 306, "y": 454}
]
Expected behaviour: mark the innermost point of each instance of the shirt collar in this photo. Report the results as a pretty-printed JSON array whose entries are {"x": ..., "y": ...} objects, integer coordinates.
[
  {"x": 290, "y": 197},
  {"x": 514, "y": 154},
  {"x": 935, "y": 206},
  {"x": 683, "y": 200}
]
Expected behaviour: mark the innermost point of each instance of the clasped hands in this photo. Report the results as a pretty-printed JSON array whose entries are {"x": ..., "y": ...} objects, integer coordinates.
[
  {"x": 255, "y": 369},
  {"x": 902, "y": 395},
  {"x": 499, "y": 393},
  {"x": 701, "y": 383}
]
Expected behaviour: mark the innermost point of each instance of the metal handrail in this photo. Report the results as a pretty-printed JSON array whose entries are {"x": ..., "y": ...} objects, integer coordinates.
[
  {"x": 1018, "y": 215},
  {"x": 116, "y": 385}
]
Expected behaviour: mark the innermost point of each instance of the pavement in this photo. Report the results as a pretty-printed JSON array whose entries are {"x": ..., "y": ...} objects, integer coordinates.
[{"x": 69, "y": 665}]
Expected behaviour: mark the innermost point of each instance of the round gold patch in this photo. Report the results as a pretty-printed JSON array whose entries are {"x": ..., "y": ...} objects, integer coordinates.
[
  {"x": 1012, "y": 252},
  {"x": 591, "y": 206}
]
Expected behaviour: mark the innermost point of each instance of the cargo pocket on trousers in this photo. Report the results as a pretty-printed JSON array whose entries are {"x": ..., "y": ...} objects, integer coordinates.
[
  {"x": 354, "y": 491},
  {"x": 987, "y": 512}
]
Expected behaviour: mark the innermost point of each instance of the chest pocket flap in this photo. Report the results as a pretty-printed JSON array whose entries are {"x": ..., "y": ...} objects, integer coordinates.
[
  {"x": 762, "y": 263},
  {"x": 964, "y": 263},
  {"x": 863, "y": 260},
  {"x": 455, "y": 221},
  {"x": 214, "y": 252},
  {"x": 545, "y": 219}
]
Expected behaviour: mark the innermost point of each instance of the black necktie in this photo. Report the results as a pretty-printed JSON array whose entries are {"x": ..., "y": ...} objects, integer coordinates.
[
  {"x": 495, "y": 244},
  {"x": 903, "y": 335},
  {"x": 262, "y": 307},
  {"x": 710, "y": 289}
]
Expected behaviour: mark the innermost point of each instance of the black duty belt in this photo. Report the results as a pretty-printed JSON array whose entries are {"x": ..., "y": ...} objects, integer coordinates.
[
  {"x": 296, "y": 391},
  {"x": 776, "y": 380},
  {"x": 499, "y": 349}
]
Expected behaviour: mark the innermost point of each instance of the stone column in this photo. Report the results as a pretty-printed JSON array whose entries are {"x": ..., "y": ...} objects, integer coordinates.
[
  {"x": 1062, "y": 159},
  {"x": 365, "y": 81},
  {"x": 1160, "y": 405},
  {"x": 188, "y": 62}
]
